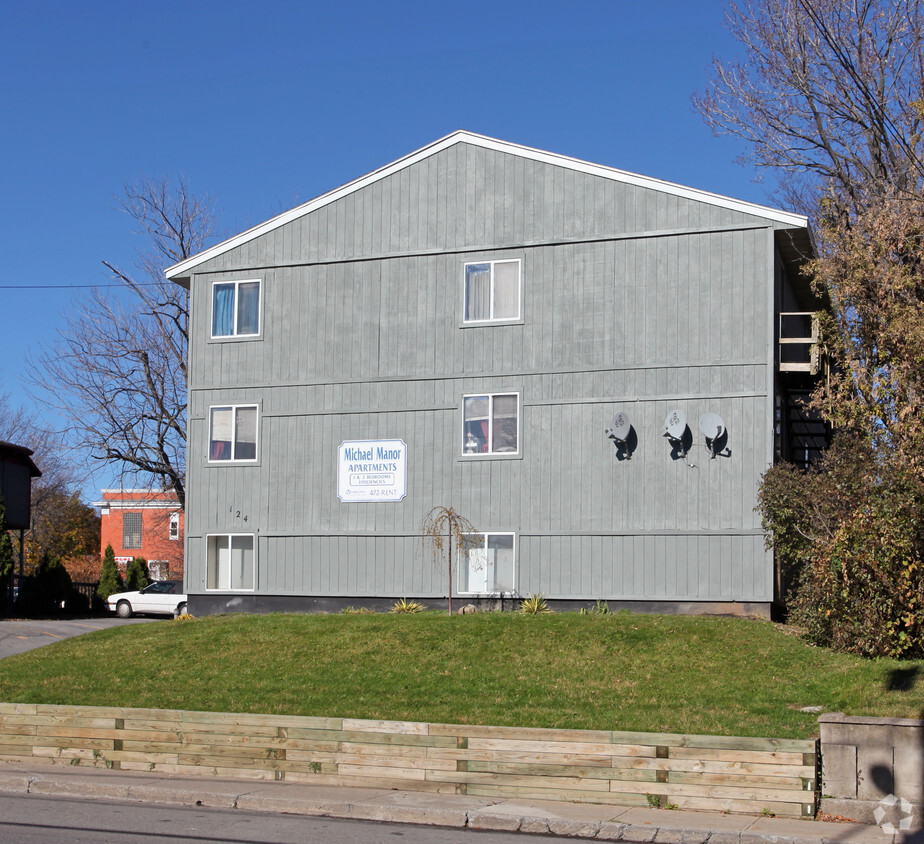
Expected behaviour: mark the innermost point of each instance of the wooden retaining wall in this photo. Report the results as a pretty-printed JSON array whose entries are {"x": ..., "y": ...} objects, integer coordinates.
[{"x": 592, "y": 766}]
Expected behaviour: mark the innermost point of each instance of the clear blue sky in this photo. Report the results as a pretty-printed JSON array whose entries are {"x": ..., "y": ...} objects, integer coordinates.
[{"x": 266, "y": 105}]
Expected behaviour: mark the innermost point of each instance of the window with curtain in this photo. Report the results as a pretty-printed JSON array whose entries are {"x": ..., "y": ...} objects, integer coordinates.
[
  {"x": 235, "y": 308},
  {"x": 131, "y": 530},
  {"x": 488, "y": 566},
  {"x": 230, "y": 562},
  {"x": 490, "y": 424},
  {"x": 233, "y": 432},
  {"x": 492, "y": 291}
]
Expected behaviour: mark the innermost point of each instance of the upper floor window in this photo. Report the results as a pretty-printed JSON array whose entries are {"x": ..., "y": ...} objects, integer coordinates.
[
  {"x": 492, "y": 291},
  {"x": 235, "y": 308},
  {"x": 490, "y": 424},
  {"x": 233, "y": 432},
  {"x": 174, "y": 525},
  {"x": 131, "y": 530}
]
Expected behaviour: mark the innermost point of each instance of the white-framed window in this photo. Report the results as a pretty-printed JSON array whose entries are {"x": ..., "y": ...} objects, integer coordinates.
[
  {"x": 175, "y": 526},
  {"x": 233, "y": 433},
  {"x": 131, "y": 530},
  {"x": 491, "y": 424},
  {"x": 491, "y": 292},
  {"x": 230, "y": 562},
  {"x": 489, "y": 567},
  {"x": 236, "y": 308}
]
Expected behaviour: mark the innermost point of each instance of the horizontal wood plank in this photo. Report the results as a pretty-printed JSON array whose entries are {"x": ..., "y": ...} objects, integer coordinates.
[{"x": 618, "y": 768}]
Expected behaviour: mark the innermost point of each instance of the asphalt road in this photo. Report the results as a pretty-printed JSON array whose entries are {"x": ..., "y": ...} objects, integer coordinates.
[
  {"x": 18, "y": 636},
  {"x": 31, "y": 819}
]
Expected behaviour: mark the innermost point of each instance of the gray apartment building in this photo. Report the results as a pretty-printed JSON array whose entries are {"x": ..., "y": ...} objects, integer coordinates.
[{"x": 593, "y": 367}]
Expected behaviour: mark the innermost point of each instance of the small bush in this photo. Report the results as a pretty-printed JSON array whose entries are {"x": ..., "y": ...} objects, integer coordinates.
[
  {"x": 137, "y": 575},
  {"x": 357, "y": 611},
  {"x": 849, "y": 536},
  {"x": 77, "y": 603},
  {"x": 535, "y": 605},
  {"x": 46, "y": 591},
  {"x": 406, "y": 606}
]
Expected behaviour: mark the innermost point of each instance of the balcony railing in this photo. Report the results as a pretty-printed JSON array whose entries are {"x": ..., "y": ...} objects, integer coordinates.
[{"x": 799, "y": 339}]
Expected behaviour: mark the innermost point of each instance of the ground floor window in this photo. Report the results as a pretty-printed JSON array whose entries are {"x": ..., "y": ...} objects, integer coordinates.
[
  {"x": 159, "y": 569},
  {"x": 230, "y": 563},
  {"x": 488, "y": 568}
]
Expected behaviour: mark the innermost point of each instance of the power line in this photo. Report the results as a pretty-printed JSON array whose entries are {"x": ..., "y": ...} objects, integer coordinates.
[{"x": 70, "y": 286}]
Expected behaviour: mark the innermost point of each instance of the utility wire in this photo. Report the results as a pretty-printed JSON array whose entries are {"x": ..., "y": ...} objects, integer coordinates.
[{"x": 70, "y": 286}]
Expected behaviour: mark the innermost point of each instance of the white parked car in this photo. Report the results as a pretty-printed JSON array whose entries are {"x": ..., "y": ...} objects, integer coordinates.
[{"x": 162, "y": 597}]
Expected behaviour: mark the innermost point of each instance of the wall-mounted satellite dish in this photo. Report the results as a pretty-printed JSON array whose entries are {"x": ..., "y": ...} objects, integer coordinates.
[
  {"x": 713, "y": 427},
  {"x": 675, "y": 429},
  {"x": 619, "y": 428},
  {"x": 675, "y": 426}
]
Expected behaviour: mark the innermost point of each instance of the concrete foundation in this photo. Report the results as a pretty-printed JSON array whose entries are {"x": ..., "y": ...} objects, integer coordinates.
[{"x": 873, "y": 769}]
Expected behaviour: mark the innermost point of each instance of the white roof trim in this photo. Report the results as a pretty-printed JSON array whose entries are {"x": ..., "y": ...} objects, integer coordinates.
[
  {"x": 181, "y": 269},
  {"x": 136, "y": 504}
]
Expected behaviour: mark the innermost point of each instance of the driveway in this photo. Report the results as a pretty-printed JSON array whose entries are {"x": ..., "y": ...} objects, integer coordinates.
[{"x": 17, "y": 636}]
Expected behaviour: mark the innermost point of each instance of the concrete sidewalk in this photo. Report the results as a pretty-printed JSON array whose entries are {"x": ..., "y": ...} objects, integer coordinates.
[{"x": 602, "y": 823}]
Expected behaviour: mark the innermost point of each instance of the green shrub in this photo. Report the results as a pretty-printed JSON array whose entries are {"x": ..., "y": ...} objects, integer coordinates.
[
  {"x": 849, "y": 536},
  {"x": 863, "y": 590},
  {"x": 110, "y": 581},
  {"x": 406, "y": 606},
  {"x": 137, "y": 575},
  {"x": 535, "y": 605},
  {"x": 46, "y": 591},
  {"x": 77, "y": 603}
]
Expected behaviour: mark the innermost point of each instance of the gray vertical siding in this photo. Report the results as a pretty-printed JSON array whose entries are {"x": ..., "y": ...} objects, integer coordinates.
[{"x": 633, "y": 300}]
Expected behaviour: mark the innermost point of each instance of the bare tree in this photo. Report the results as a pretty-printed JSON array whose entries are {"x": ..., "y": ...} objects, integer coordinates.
[
  {"x": 441, "y": 528},
  {"x": 828, "y": 93},
  {"x": 117, "y": 372},
  {"x": 59, "y": 475}
]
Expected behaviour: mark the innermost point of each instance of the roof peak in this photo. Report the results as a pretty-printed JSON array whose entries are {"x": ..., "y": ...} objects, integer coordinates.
[{"x": 180, "y": 271}]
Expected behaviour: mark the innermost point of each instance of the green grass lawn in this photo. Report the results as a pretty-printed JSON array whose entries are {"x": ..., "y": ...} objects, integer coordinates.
[{"x": 619, "y": 671}]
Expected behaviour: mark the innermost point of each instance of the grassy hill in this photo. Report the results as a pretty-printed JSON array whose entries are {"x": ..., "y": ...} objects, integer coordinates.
[{"x": 618, "y": 671}]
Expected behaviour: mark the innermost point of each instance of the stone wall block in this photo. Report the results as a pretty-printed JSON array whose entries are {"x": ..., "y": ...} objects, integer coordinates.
[
  {"x": 839, "y": 771},
  {"x": 874, "y": 768}
]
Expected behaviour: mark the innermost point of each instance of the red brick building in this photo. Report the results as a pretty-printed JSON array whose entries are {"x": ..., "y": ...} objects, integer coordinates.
[{"x": 143, "y": 523}]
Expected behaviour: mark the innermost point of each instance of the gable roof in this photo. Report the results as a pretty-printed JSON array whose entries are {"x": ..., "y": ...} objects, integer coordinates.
[
  {"x": 21, "y": 456},
  {"x": 180, "y": 271}
]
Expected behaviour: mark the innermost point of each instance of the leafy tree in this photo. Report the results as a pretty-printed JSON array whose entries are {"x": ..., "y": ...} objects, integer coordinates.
[
  {"x": 63, "y": 527},
  {"x": 873, "y": 271},
  {"x": 110, "y": 581},
  {"x": 137, "y": 575},
  {"x": 828, "y": 94},
  {"x": 118, "y": 370}
]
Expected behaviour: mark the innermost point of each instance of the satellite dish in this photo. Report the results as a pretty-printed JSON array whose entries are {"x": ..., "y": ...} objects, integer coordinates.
[
  {"x": 711, "y": 425},
  {"x": 675, "y": 425},
  {"x": 619, "y": 428}
]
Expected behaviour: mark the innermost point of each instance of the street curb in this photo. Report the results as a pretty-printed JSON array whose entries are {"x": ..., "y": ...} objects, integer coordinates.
[{"x": 580, "y": 821}]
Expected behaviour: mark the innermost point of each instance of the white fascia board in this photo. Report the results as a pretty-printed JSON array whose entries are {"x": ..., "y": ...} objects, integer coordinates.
[
  {"x": 181, "y": 269},
  {"x": 146, "y": 490},
  {"x": 129, "y": 504}
]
